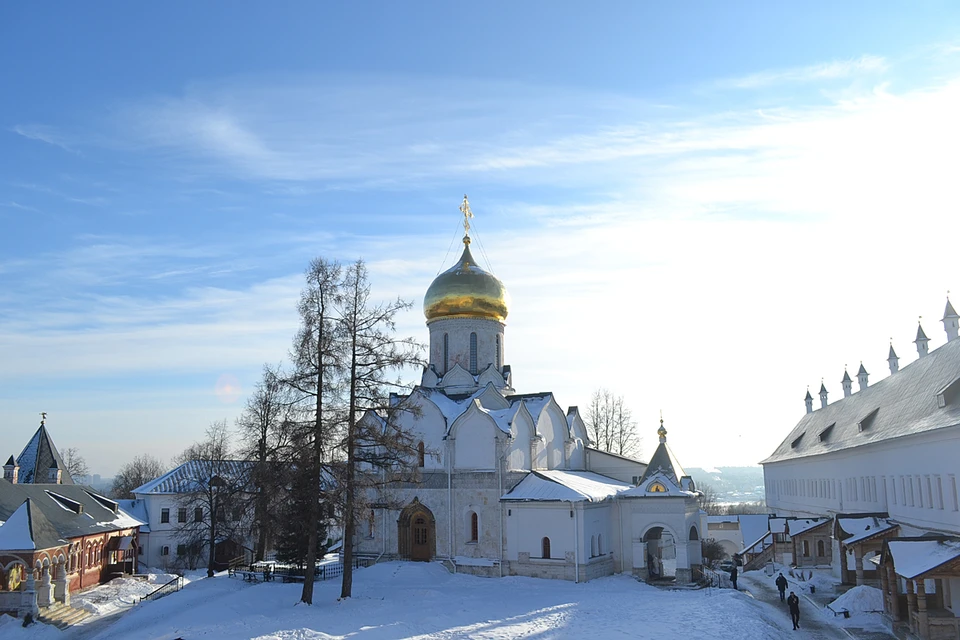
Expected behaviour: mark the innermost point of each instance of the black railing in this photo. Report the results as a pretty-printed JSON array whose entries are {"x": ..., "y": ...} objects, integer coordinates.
[
  {"x": 171, "y": 587},
  {"x": 329, "y": 571}
]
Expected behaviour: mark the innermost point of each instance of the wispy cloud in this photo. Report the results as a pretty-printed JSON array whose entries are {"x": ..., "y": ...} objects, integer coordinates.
[
  {"x": 834, "y": 70},
  {"x": 46, "y": 134},
  {"x": 12, "y": 204}
]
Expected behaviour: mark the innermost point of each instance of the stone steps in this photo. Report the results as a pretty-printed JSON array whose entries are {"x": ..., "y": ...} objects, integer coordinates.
[{"x": 62, "y": 616}]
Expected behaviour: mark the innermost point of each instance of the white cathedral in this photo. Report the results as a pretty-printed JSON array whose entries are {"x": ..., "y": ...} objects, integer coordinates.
[{"x": 509, "y": 484}]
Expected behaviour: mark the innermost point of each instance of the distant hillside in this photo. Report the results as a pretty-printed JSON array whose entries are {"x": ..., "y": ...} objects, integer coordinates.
[{"x": 731, "y": 484}]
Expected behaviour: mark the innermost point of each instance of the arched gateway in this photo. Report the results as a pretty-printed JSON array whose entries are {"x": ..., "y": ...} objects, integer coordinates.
[{"x": 417, "y": 532}]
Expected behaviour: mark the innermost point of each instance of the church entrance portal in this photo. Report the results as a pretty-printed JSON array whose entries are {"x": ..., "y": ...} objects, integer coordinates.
[
  {"x": 661, "y": 553},
  {"x": 416, "y": 532}
]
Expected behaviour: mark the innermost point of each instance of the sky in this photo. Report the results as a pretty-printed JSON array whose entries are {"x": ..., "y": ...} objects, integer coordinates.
[{"x": 705, "y": 209}]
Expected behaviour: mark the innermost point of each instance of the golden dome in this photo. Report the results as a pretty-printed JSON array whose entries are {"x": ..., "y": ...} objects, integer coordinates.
[{"x": 466, "y": 290}]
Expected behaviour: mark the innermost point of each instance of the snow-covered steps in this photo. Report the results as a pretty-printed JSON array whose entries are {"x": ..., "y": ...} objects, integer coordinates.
[{"x": 62, "y": 616}]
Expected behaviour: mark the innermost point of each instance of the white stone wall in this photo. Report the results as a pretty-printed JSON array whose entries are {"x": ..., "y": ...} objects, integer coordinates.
[
  {"x": 872, "y": 478},
  {"x": 458, "y": 331},
  {"x": 613, "y": 466}
]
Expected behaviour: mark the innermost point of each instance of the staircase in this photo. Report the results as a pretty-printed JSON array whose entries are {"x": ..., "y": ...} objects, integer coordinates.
[
  {"x": 757, "y": 558},
  {"x": 62, "y": 616}
]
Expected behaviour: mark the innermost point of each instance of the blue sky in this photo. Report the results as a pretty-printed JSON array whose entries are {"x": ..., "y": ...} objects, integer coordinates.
[{"x": 704, "y": 208}]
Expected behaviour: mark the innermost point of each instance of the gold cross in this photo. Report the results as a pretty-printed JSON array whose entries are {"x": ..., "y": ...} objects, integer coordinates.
[{"x": 467, "y": 214}]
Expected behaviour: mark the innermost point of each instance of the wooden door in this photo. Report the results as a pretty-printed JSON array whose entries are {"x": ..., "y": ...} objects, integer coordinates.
[{"x": 420, "y": 538}]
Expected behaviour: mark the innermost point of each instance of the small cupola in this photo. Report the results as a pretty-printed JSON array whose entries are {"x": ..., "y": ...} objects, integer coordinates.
[
  {"x": 823, "y": 395},
  {"x": 950, "y": 321},
  {"x": 862, "y": 377},
  {"x": 847, "y": 384},
  {"x": 922, "y": 341},
  {"x": 11, "y": 470},
  {"x": 808, "y": 400},
  {"x": 893, "y": 360},
  {"x": 54, "y": 474}
]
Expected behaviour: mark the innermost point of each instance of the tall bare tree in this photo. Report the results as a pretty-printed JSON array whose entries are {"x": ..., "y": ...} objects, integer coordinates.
[
  {"x": 611, "y": 425},
  {"x": 76, "y": 465},
  {"x": 266, "y": 430},
  {"x": 140, "y": 470},
  {"x": 213, "y": 494},
  {"x": 317, "y": 364},
  {"x": 372, "y": 354}
]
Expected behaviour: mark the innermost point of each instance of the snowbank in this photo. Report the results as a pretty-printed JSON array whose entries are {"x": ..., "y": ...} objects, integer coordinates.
[
  {"x": 862, "y": 599},
  {"x": 12, "y": 628}
]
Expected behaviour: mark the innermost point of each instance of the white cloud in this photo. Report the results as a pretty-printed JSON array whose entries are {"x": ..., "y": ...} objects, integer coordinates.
[{"x": 834, "y": 70}]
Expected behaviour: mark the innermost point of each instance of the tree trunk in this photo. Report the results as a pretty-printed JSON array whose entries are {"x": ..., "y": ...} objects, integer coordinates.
[{"x": 212, "y": 551}]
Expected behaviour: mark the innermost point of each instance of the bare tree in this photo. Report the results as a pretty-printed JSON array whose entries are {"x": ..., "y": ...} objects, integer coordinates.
[
  {"x": 316, "y": 358},
  {"x": 266, "y": 431},
  {"x": 372, "y": 353},
  {"x": 710, "y": 500},
  {"x": 76, "y": 465},
  {"x": 611, "y": 426},
  {"x": 139, "y": 471},
  {"x": 213, "y": 495}
]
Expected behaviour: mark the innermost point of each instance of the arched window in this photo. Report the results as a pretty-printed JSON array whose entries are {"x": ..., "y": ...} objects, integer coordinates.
[
  {"x": 600, "y": 544},
  {"x": 446, "y": 353},
  {"x": 545, "y": 548},
  {"x": 371, "y": 524},
  {"x": 820, "y": 551},
  {"x": 474, "y": 526},
  {"x": 593, "y": 546},
  {"x": 806, "y": 548},
  {"x": 498, "y": 353},
  {"x": 693, "y": 534},
  {"x": 473, "y": 353},
  {"x": 421, "y": 456}
]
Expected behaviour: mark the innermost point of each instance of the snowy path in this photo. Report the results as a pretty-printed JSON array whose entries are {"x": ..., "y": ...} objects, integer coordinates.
[{"x": 814, "y": 622}]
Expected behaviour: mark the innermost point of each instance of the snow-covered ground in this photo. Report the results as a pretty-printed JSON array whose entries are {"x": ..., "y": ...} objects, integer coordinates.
[{"x": 426, "y": 602}]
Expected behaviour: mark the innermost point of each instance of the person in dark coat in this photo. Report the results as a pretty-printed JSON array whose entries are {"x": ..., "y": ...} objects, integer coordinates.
[
  {"x": 794, "y": 603},
  {"x": 781, "y": 586},
  {"x": 733, "y": 575}
]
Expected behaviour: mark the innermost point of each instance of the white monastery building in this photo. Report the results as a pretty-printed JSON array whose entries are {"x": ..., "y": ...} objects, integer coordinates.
[
  {"x": 509, "y": 484},
  {"x": 869, "y": 484}
]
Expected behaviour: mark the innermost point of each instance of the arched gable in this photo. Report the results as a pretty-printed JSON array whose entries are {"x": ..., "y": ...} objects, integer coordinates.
[
  {"x": 522, "y": 428},
  {"x": 424, "y": 421},
  {"x": 490, "y": 375},
  {"x": 577, "y": 428},
  {"x": 491, "y": 398},
  {"x": 474, "y": 434},
  {"x": 457, "y": 380},
  {"x": 429, "y": 377},
  {"x": 552, "y": 426}
]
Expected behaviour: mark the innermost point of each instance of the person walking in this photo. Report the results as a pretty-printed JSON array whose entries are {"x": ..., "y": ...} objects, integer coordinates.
[
  {"x": 781, "y": 586},
  {"x": 794, "y": 603},
  {"x": 733, "y": 575}
]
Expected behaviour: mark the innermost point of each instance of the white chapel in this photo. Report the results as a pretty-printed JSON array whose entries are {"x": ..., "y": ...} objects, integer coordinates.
[{"x": 509, "y": 484}]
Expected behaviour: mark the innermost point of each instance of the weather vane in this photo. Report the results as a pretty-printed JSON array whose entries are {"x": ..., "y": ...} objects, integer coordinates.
[
  {"x": 467, "y": 214},
  {"x": 43, "y": 418}
]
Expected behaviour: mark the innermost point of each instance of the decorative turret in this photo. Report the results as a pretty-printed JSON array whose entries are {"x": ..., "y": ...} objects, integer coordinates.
[
  {"x": 922, "y": 341},
  {"x": 823, "y": 395},
  {"x": 847, "y": 384},
  {"x": 809, "y": 401},
  {"x": 11, "y": 470},
  {"x": 950, "y": 321},
  {"x": 893, "y": 360},
  {"x": 54, "y": 473},
  {"x": 862, "y": 377}
]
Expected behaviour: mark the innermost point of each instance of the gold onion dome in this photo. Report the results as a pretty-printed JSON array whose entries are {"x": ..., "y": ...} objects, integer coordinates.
[{"x": 466, "y": 290}]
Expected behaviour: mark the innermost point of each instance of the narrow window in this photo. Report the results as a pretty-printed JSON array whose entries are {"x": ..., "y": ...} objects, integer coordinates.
[
  {"x": 929, "y": 493},
  {"x": 919, "y": 492},
  {"x": 421, "y": 455},
  {"x": 474, "y": 527},
  {"x": 371, "y": 524},
  {"x": 939, "y": 493},
  {"x": 953, "y": 485},
  {"x": 182, "y": 514},
  {"x": 545, "y": 548},
  {"x": 473, "y": 353},
  {"x": 820, "y": 551},
  {"x": 198, "y": 514},
  {"x": 593, "y": 546},
  {"x": 893, "y": 483},
  {"x": 806, "y": 548},
  {"x": 446, "y": 353},
  {"x": 600, "y": 543},
  {"x": 181, "y": 549},
  {"x": 498, "y": 353},
  {"x": 164, "y": 550},
  {"x": 912, "y": 495},
  {"x": 164, "y": 515}
]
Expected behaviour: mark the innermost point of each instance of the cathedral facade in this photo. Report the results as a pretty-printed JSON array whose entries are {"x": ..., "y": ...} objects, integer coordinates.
[{"x": 509, "y": 484}]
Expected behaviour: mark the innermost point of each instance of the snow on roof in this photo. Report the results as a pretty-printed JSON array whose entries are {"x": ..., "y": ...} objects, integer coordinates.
[
  {"x": 667, "y": 481},
  {"x": 185, "y": 477},
  {"x": 15, "y": 533},
  {"x": 555, "y": 485},
  {"x": 797, "y": 525},
  {"x": 754, "y": 526},
  {"x": 911, "y": 558},
  {"x": 137, "y": 509},
  {"x": 38, "y": 457},
  {"x": 861, "y": 527},
  {"x": 904, "y": 403},
  {"x": 503, "y": 417},
  {"x": 535, "y": 402}
]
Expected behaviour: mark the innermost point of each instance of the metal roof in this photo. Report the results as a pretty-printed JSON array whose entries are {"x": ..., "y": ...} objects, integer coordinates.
[
  {"x": 905, "y": 403},
  {"x": 565, "y": 486},
  {"x": 185, "y": 478}
]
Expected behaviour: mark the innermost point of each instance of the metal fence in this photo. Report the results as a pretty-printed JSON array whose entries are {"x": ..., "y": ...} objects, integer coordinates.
[
  {"x": 326, "y": 571},
  {"x": 171, "y": 587}
]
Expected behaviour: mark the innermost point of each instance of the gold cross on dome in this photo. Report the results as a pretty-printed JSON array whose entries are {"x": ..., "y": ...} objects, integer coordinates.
[{"x": 467, "y": 214}]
